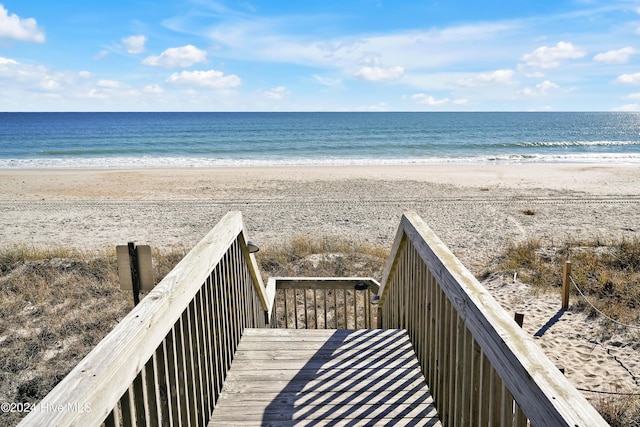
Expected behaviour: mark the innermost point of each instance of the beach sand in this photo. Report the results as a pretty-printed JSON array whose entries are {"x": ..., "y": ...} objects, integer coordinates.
[{"x": 475, "y": 209}]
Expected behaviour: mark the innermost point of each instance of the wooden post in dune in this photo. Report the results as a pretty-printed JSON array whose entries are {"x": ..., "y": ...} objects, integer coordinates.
[
  {"x": 519, "y": 318},
  {"x": 135, "y": 278},
  {"x": 135, "y": 269},
  {"x": 566, "y": 285}
]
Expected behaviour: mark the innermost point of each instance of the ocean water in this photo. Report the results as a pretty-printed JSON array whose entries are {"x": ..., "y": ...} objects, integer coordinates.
[{"x": 133, "y": 140}]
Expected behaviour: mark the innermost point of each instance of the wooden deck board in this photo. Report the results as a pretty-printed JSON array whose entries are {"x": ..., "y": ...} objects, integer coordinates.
[{"x": 287, "y": 377}]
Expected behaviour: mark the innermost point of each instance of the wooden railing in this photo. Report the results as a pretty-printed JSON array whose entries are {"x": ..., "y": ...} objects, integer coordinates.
[
  {"x": 481, "y": 367},
  {"x": 323, "y": 302},
  {"x": 166, "y": 361}
]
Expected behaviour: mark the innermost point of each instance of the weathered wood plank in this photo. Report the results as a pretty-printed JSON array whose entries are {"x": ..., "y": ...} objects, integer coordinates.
[
  {"x": 323, "y": 412},
  {"x": 254, "y": 375},
  {"x": 403, "y": 352},
  {"x": 366, "y": 377},
  {"x": 396, "y": 422},
  {"x": 343, "y": 334},
  {"x": 411, "y": 384},
  {"x": 300, "y": 364},
  {"x": 296, "y": 400},
  {"x": 255, "y": 345}
]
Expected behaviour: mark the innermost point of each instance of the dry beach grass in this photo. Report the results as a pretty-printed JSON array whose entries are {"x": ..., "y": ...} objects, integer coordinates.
[
  {"x": 481, "y": 213},
  {"x": 56, "y": 304}
]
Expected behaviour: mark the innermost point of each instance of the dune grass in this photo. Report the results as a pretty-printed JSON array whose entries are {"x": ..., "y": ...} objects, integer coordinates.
[
  {"x": 56, "y": 304},
  {"x": 608, "y": 273},
  {"x": 328, "y": 256}
]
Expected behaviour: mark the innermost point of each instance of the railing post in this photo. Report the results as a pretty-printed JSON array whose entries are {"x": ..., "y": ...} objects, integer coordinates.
[
  {"x": 135, "y": 278},
  {"x": 519, "y": 318},
  {"x": 566, "y": 285}
]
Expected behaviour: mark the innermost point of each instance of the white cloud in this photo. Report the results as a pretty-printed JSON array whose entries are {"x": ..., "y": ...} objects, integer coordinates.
[
  {"x": 628, "y": 107},
  {"x": 381, "y": 106},
  {"x": 544, "y": 87},
  {"x": 177, "y": 57},
  {"x": 110, "y": 90},
  {"x": 633, "y": 96},
  {"x": 134, "y": 44},
  {"x": 13, "y": 27},
  {"x": 370, "y": 60},
  {"x": 376, "y": 73},
  {"x": 108, "y": 84},
  {"x": 7, "y": 61},
  {"x": 620, "y": 56},
  {"x": 550, "y": 57},
  {"x": 212, "y": 79},
  {"x": 421, "y": 98},
  {"x": 326, "y": 81},
  {"x": 497, "y": 76},
  {"x": 49, "y": 83},
  {"x": 629, "y": 78},
  {"x": 152, "y": 89},
  {"x": 35, "y": 75},
  {"x": 28, "y": 87},
  {"x": 541, "y": 89},
  {"x": 535, "y": 75},
  {"x": 101, "y": 54},
  {"x": 527, "y": 91},
  {"x": 268, "y": 39},
  {"x": 33, "y": 78},
  {"x": 276, "y": 93},
  {"x": 93, "y": 93}
]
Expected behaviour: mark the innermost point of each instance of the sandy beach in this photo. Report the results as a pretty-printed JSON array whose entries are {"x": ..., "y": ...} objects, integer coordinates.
[{"x": 475, "y": 209}]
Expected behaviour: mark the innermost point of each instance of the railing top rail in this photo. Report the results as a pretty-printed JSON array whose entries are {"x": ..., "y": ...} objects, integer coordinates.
[
  {"x": 100, "y": 379},
  {"x": 543, "y": 393},
  {"x": 326, "y": 282}
]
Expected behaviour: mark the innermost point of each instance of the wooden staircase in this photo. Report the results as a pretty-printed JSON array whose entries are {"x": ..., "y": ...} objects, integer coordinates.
[
  {"x": 205, "y": 347},
  {"x": 304, "y": 377}
]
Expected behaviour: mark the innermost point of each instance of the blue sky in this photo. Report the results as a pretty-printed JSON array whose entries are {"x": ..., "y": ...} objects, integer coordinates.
[{"x": 320, "y": 55}]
